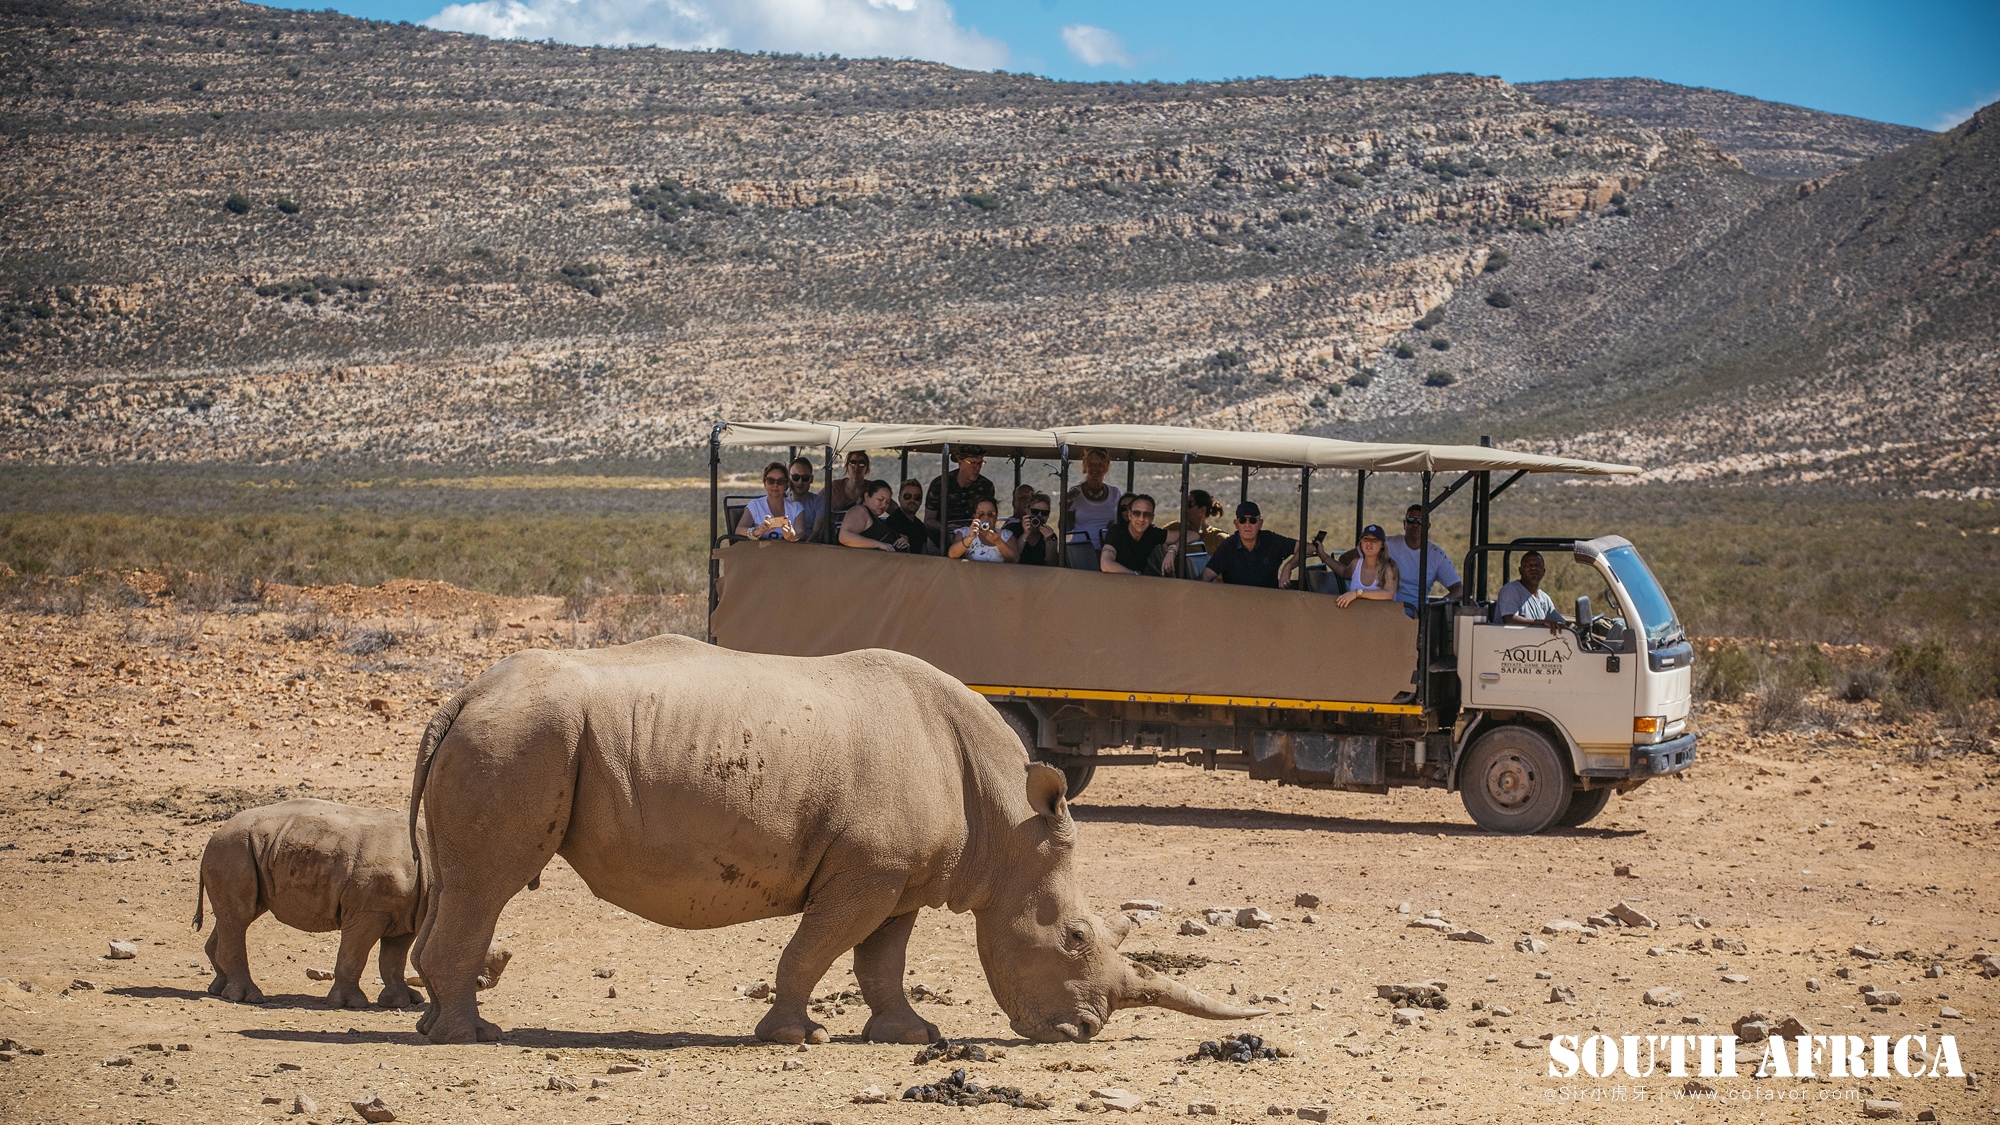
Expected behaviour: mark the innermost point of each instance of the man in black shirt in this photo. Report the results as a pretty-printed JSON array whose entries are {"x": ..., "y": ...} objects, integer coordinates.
[
  {"x": 1128, "y": 546},
  {"x": 968, "y": 488},
  {"x": 1252, "y": 556},
  {"x": 904, "y": 517}
]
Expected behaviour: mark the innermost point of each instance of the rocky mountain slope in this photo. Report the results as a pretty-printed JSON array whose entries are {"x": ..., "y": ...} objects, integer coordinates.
[
  {"x": 251, "y": 234},
  {"x": 1772, "y": 139}
]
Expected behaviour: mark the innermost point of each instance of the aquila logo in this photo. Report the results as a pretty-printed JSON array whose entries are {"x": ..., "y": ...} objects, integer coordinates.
[{"x": 1546, "y": 658}]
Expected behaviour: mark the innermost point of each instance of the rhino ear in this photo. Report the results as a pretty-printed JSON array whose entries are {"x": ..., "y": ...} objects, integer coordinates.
[{"x": 1046, "y": 790}]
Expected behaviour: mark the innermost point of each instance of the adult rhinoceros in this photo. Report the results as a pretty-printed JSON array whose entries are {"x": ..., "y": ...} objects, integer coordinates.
[{"x": 699, "y": 787}]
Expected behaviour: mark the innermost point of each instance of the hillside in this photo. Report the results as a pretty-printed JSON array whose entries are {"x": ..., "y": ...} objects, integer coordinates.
[
  {"x": 256, "y": 235},
  {"x": 1840, "y": 330},
  {"x": 1772, "y": 139}
]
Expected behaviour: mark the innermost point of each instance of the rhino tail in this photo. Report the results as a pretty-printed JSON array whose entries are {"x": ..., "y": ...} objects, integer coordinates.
[
  {"x": 200, "y": 886},
  {"x": 440, "y": 725}
]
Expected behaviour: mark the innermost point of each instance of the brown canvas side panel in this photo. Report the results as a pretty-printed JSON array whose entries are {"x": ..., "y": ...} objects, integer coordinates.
[{"x": 1047, "y": 627}]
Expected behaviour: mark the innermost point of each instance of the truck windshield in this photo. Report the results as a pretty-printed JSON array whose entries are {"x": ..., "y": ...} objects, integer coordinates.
[{"x": 1648, "y": 600}]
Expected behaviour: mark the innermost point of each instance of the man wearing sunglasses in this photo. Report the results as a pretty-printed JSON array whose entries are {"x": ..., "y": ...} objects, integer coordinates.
[
  {"x": 1129, "y": 546},
  {"x": 1252, "y": 556},
  {"x": 968, "y": 488},
  {"x": 811, "y": 504}
]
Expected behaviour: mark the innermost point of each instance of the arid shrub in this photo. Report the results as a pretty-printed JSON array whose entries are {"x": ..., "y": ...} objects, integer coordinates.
[
  {"x": 1926, "y": 677},
  {"x": 1500, "y": 299},
  {"x": 1441, "y": 344},
  {"x": 1858, "y": 685},
  {"x": 1361, "y": 378},
  {"x": 1497, "y": 261},
  {"x": 1440, "y": 379},
  {"x": 1431, "y": 319},
  {"x": 236, "y": 204},
  {"x": 287, "y": 206},
  {"x": 1405, "y": 351},
  {"x": 1780, "y": 704},
  {"x": 1724, "y": 675}
]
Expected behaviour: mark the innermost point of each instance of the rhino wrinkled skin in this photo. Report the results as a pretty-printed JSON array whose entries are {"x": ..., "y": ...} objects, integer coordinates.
[
  {"x": 318, "y": 866},
  {"x": 698, "y": 787}
]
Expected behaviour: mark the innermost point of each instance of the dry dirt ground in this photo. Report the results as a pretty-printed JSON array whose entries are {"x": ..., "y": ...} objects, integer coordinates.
[{"x": 131, "y": 733}]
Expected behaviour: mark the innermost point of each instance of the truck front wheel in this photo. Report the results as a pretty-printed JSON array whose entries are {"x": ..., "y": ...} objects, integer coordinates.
[
  {"x": 1515, "y": 782},
  {"x": 1583, "y": 806}
]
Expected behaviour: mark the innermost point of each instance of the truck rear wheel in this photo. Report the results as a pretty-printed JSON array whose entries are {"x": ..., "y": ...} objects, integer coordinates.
[
  {"x": 1515, "y": 782},
  {"x": 1583, "y": 806},
  {"x": 1023, "y": 724}
]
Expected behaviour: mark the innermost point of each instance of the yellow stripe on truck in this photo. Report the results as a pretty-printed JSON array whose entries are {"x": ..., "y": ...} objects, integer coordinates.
[{"x": 1221, "y": 700}]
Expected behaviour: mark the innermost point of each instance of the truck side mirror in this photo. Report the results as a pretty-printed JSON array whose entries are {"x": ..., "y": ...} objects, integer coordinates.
[{"x": 1583, "y": 614}]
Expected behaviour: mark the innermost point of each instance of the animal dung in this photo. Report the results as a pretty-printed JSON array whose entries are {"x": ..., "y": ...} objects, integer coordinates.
[
  {"x": 956, "y": 1089},
  {"x": 1236, "y": 1049}
]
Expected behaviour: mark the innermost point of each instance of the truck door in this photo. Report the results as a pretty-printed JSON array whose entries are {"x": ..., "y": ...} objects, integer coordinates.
[{"x": 1590, "y": 693}]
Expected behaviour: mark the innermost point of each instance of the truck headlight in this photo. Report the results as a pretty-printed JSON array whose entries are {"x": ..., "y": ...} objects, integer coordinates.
[{"x": 1650, "y": 727}]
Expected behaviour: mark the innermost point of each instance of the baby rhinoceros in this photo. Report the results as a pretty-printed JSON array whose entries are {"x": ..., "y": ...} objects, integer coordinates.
[{"x": 319, "y": 866}]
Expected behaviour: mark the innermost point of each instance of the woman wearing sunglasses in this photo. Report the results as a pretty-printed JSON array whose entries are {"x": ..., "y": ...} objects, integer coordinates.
[
  {"x": 1372, "y": 574},
  {"x": 776, "y": 514},
  {"x": 1037, "y": 538}
]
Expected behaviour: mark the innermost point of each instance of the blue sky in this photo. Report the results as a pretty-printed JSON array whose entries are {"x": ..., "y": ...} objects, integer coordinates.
[{"x": 1928, "y": 63}]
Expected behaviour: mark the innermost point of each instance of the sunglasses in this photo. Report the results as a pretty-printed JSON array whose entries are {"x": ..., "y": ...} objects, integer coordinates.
[
  {"x": 802, "y": 476},
  {"x": 1411, "y": 520},
  {"x": 779, "y": 481},
  {"x": 1247, "y": 520},
  {"x": 1140, "y": 514}
]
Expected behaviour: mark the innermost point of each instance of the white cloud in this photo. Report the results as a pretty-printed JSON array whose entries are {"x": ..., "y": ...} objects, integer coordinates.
[
  {"x": 1952, "y": 119},
  {"x": 923, "y": 29},
  {"x": 1094, "y": 46}
]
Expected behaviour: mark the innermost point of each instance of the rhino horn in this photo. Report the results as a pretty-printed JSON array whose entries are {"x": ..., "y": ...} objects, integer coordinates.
[
  {"x": 1120, "y": 926},
  {"x": 1142, "y": 987}
]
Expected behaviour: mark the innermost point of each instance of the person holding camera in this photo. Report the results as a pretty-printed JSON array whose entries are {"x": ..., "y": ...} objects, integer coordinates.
[
  {"x": 1037, "y": 538},
  {"x": 984, "y": 540}
]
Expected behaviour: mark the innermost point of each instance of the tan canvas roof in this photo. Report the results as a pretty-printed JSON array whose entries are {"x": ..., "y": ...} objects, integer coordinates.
[{"x": 1167, "y": 444}]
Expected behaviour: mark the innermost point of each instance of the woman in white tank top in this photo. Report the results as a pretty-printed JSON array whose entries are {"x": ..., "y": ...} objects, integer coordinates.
[
  {"x": 1093, "y": 505},
  {"x": 1372, "y": 575}
]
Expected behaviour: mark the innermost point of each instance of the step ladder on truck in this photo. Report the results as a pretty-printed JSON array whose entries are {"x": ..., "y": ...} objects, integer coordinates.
[{"x": 1533, "y": 727}]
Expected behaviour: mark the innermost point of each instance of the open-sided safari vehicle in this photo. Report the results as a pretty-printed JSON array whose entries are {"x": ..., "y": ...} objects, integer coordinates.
[{"x": 1533, "y": 728}]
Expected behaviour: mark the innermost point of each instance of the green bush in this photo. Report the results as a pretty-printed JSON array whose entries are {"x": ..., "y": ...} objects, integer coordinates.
[
  {"x": 236, "y": 204},
  {"x": 309, "y": 289},
  {"x": 287, "y": 206},
  {"x": 1440, "y": 379},
  {"x": 1361, "y": 378},
  {"x": 1294, "y": 215},
  {"x": 1532, "y": 225},
  {"x": 1431, "y": 319},
  {"x": 1724, "y": 675},
  {"x": 1349, "y": 179},
  {"x": 1496, "y": 261},
  {"x": 1405, "y": 351},
  {"x": 1441, "y": 344},
  {"x": 984, "y": 200},
  {"x": 586, "y": 276},
  {"x": 1499, "y": 299},
  {"x": 1926, "y": 676}
]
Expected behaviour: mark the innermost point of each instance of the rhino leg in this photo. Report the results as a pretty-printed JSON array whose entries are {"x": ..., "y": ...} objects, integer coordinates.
[
  {"x": 839, "y": 915},
  {"x": 878, "y": 965},
  {"x": 358, "y": 935},
  {"x": 451, "y": 957},
  {"x": 396, "y": 992}
]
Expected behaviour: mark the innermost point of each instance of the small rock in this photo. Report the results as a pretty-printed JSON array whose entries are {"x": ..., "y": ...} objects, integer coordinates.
[
  {"x": 1314, "y": 1113},
  {"x": 373, "y": 1110},
  {"x": 791, "y": 1064},
  {"x": 122, "y": 951},
  {"x": 1656, "y": 951},
  {"x": 604, "y": 974},
  {"x": 1632, "y": 916},
  {"x": 1528, "y": 1044},
  {"x": 1530, "y": 945},
  {"x": 1696, "y": 1088},
  {"x": 598, "y": 1084},
  {"x": 1662, "y": 997},
  {"x": 1502, "y": 1011},
  {"x": 1882, "y": 1109},
  {"x": 1250, "y": 918},
  {"x": 1433, "y": 913},
  {"x": 1402, "y": 908},
  {"x": 1405, "y": 1017},
  {"x": 303, "y": 1104},
  {"x": 1927, "y": 1115},
  {"x": 1305, "y": 899},
  {"x": 870, "y": 1095},
  {"x": 558, "y": 1083},
  {"x": 1813, "y": 984},
  {"x": 1729, "y": 945},
  {"x": 274, "y": 1101},
  {"x": 1210, "y": 1109},
  {"x": 1883, "y": 996},
  {"x": 118, "y": 1060},
  {"x": 1309, "y": 919},
  {"x": 1934, "y": 972},
  {"x": 760, "y": 990},
  {"x": 1115, "y": 1098},
  {"x": 82, "y": 985},
  {"x": 1438, "y": 924},
  {"x": 1473, "y": 936},
  {"x": 1562, "y": 926},
  {"x": 611, "y": 993},
  {"x": 281, "y": 1066},
  {"x": 1602, "y": 922},
  {"x": 1865, "y": 952},
  {"x": 1279, "y": 1111},
  {"x": 1192, "y": 928},
  {"x": 1562, "y": 994},
  {"x": 319, "y": 974},
  {"x": 1735, "y": 978},
  {"x": 1319, "y": 1007},
  {"x": 630, "y": 1068},
  {"x": 1144, "y": 904},
  {"x": 1950, "y": 1014},
  {"x": 1623, "y": 871},
  {"x": 1360, "y": 1050},
  {"x": 1544, "y": 974}
]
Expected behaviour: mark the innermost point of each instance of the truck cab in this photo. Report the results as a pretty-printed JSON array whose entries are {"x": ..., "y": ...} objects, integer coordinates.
[{"x": 1608, "y": 693}]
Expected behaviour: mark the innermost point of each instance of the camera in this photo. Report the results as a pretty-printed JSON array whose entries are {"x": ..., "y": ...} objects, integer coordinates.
[{"x": 1036, "y": 517}]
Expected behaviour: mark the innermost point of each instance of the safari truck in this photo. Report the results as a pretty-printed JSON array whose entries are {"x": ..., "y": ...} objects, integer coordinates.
[{"x": 1533, "y": 725}]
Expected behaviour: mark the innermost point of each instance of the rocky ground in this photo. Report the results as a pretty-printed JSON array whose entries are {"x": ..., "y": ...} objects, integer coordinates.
[{"x": 1785, "y": 872}]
